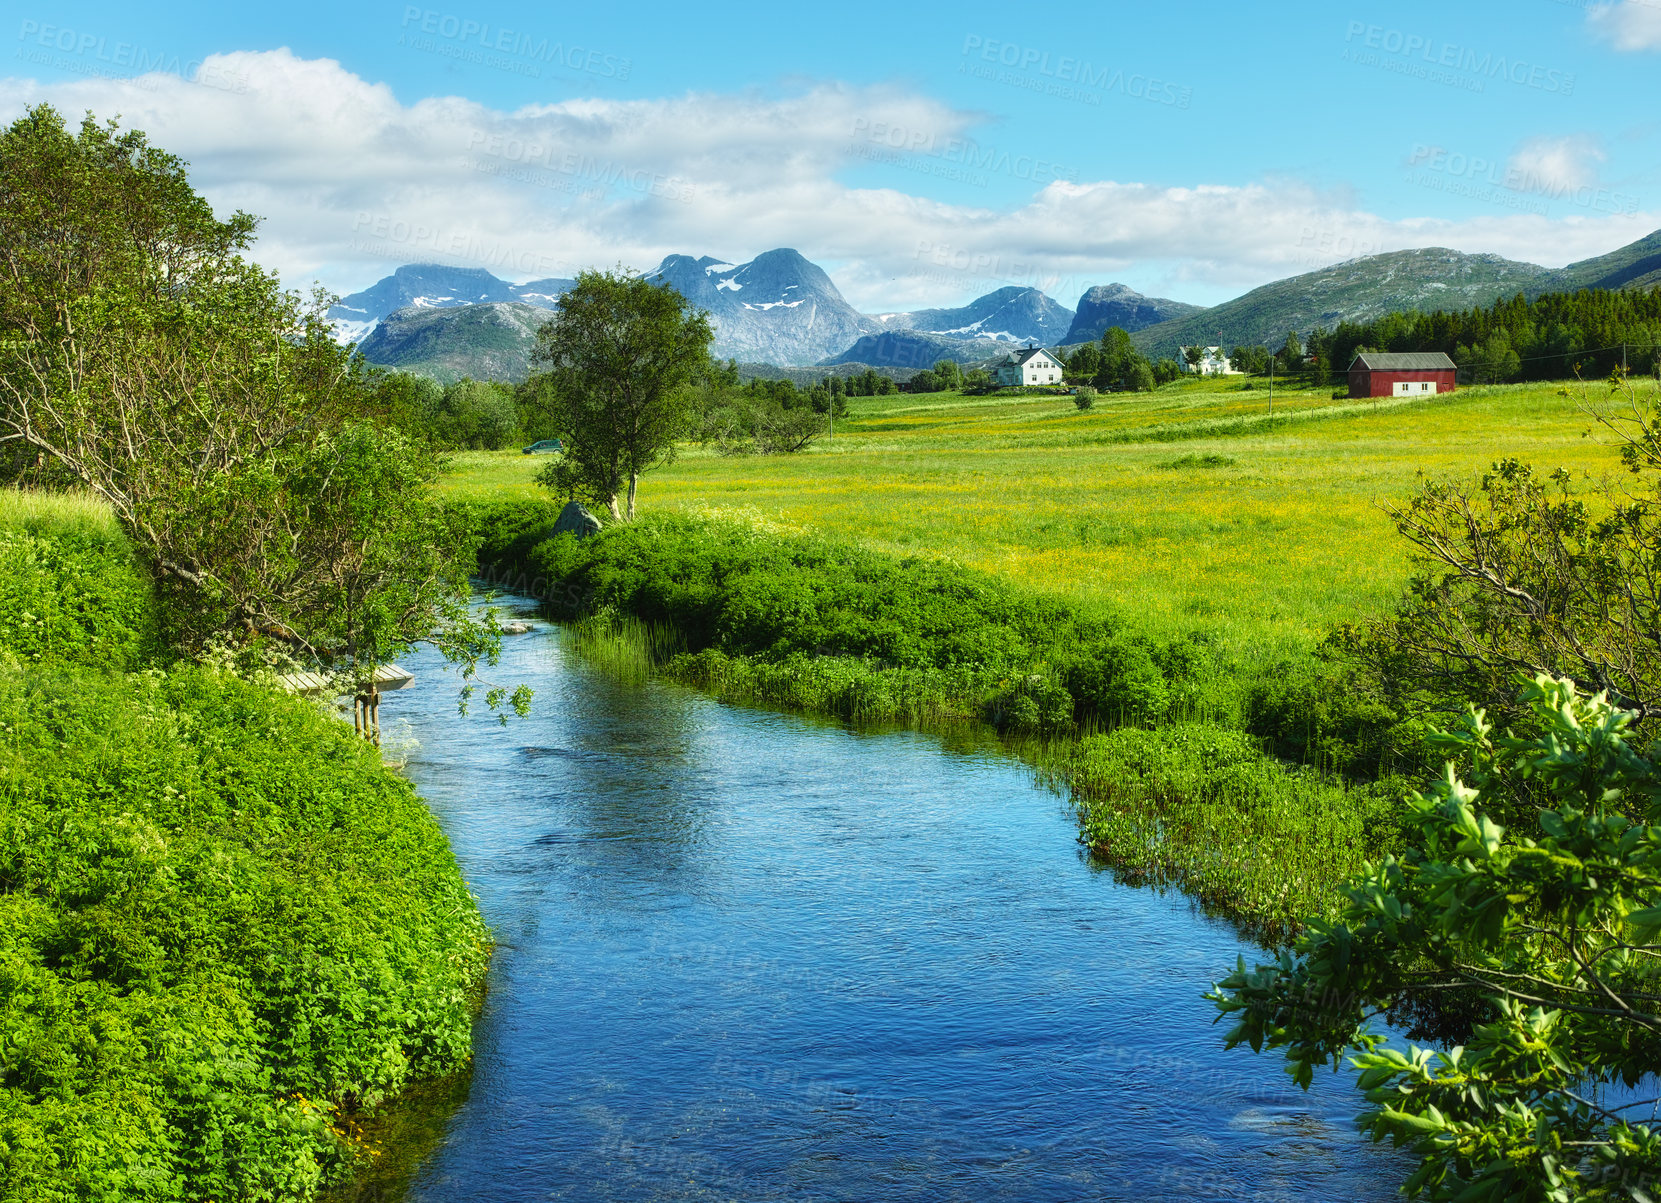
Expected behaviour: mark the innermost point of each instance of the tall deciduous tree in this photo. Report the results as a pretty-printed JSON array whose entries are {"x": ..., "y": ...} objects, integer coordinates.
[
  {"x": 1083, "y": 364},
  {"x": 620, "y": 355},
  {"x": 151, "y": 363}
]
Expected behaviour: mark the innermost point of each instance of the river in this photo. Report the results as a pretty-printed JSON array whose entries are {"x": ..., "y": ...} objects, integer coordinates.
[{"x": 750, "y": 956}]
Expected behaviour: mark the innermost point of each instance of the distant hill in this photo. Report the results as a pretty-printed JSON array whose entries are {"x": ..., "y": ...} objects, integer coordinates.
[
  {"x": 486, "y": 342},
  {"x": 777, "y": 308},
  {"x": 1427, "y": 279},
  {"x": 1011, "y": 314},
  {"x": 918, "y": 349},
  {"x": 1357, "y": 290},
  {"x": 1108, "y": 305},
  {"x": 434, "y": 286},
  {"x": 1635, "y": 265}
]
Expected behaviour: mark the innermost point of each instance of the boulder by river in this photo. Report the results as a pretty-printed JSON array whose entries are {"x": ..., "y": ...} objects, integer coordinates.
[{"x": 576, "y": 519}]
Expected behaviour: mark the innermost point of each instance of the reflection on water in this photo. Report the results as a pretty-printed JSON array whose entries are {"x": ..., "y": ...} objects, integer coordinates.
[{"x": 750, "y": 956}]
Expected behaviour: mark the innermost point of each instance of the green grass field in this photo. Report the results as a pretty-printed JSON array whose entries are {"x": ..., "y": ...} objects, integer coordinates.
[{"x": 1119, "y": 506}]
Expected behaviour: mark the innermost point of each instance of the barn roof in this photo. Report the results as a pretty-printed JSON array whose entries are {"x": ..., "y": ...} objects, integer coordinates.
[{"x": 1406, "y": 361}]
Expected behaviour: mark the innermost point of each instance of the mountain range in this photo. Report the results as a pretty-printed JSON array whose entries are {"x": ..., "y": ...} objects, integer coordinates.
[
  {"x": 782, "y": 309},
  {"x": 1012, "y": 314},
  {"x": 777, "y": 308},
  {"x": 434, "y": 286},
  {"x": 491, "y": 340}
]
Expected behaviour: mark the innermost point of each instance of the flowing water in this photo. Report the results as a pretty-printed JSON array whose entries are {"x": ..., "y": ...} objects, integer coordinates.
[{"x": 748, "y": 956}]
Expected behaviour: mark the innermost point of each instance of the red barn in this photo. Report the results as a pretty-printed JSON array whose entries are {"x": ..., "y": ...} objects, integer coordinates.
[{"x": 1411, "y": 374}]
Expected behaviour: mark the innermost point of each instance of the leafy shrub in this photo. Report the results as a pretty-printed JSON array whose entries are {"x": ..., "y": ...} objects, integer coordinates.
[
  {"x": 80, "y": 596},
  {"x": 1316, "y": 713},
  {"x": 752, "y": 593},
  {"x": 1084, "y": 397},
  {"x": 223, "y": 926},
  {"x": 478, "y": 414},
  {"x": 508, "y": 530},
  {"x": 1550, "y": 1094},
  {"x": 1035, "y": 704},
  {"x": 1120, "y": 683},
  {"x": 1024, "y": 662},
  {"x": 1201, "y": 807}
]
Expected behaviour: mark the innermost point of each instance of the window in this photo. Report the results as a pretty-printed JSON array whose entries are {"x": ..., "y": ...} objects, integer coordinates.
[{"x": 1424, "y": 388}]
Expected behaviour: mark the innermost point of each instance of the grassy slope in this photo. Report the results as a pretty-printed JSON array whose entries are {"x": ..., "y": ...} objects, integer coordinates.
[{"x": 1267, "y": 552}]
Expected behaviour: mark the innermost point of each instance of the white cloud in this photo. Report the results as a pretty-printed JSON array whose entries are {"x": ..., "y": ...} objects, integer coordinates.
[
  {"x": 352, "y": 182},
  {"x": 1556, "y": 165},
  {"x": 1629, "y": 24}
]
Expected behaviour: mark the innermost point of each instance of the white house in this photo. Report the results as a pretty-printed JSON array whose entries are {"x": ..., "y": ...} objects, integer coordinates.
[
  {"x": 1029, "y": 365},
  {"x": 1214, "y": 362}
]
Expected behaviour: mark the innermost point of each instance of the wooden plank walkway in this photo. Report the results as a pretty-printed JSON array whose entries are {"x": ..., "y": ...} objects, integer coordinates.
[{"x": 387, "y": 678}]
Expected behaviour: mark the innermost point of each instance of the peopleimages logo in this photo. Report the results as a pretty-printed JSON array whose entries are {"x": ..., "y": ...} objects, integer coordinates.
[
  {"x": 908, "y": 144},
  {"x": 1441, "y": 57},
  {"x": 1068, "y": 73},
  {"x": 465, "y": 31},
  {"x": 100, "y": 52},
  {"x": 1475, "y": 169}
]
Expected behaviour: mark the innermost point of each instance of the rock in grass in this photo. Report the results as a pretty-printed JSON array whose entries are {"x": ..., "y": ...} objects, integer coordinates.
[{"x": 577, "y": 520}]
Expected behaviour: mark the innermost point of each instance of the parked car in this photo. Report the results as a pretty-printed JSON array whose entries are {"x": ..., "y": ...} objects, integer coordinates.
[{"x": 542, "y": 445}]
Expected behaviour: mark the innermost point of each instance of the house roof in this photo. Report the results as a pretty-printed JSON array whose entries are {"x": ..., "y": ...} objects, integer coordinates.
[
  {"x": 1026, "y": 353},
  {"x": 1408, "y": 361}
]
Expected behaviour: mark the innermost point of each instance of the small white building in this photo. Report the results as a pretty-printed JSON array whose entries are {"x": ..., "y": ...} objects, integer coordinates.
[
  {"x": 1029, "y": 365},
  {"x": 1213, "y": 363}
]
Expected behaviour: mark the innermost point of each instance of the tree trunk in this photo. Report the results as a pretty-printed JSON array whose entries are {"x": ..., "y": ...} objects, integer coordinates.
[
  {"x": 634, "y": 483},
  {"x": 611, "y": 504}
]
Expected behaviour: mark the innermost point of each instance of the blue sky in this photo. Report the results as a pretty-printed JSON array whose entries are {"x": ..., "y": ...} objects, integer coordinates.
[{"x": 923, "y": 155}]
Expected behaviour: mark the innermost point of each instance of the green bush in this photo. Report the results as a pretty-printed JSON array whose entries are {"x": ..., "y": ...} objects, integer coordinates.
[
  {"x": 509, "y": 530},
  {"x": 1316, "y": 713},
  {"x": 477, "y": 414},
  {"x": 750, "y": 593},
  {"x": 225, "y": 926},
  {"x": 1034, "y": 704},
  {"x": 1201, "y": 807},
  {"x": 1120, "y": 683},
  {"x": 79, "y": 596}
]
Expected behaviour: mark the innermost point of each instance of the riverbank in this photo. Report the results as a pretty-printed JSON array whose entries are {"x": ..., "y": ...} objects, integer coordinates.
[
  {"x": 226, "y": 930},
  {"x": 1153, "y": 737}
]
